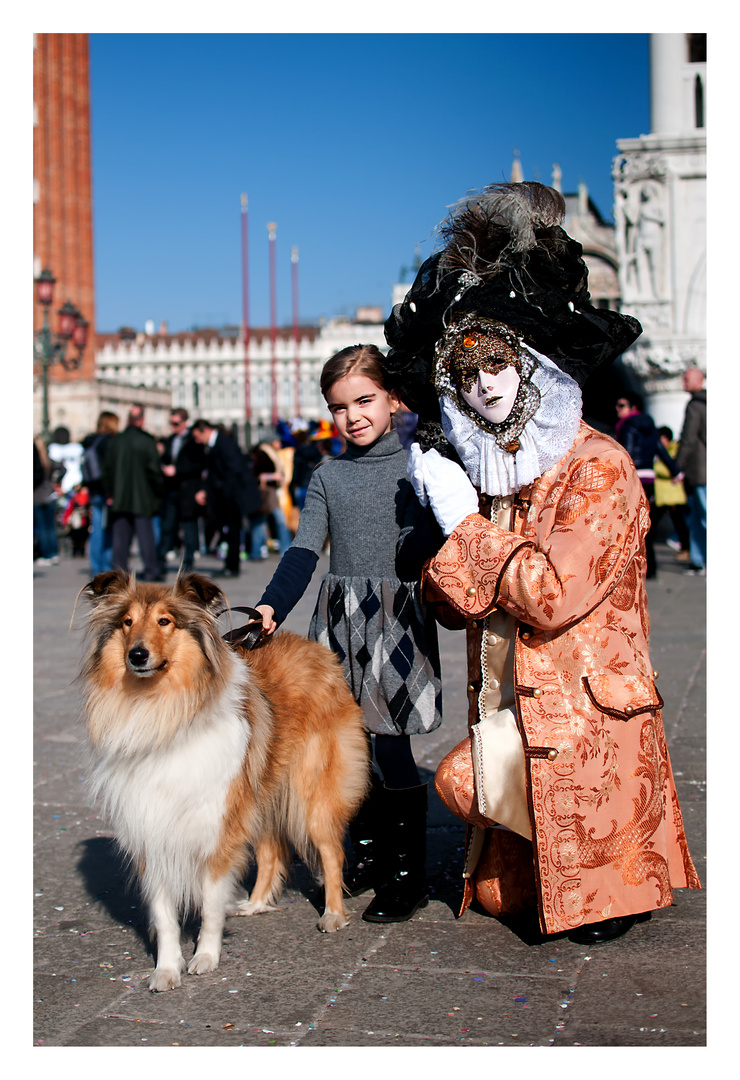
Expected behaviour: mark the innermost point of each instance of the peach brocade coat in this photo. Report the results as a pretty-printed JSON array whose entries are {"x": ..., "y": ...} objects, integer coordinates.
[{"x": 608, "y": 836}]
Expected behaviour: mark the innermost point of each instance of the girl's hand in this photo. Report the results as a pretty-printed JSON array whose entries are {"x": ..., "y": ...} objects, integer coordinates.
[
  {"x": 269, "y": 626},
  {"x": 451, "y": 495}
]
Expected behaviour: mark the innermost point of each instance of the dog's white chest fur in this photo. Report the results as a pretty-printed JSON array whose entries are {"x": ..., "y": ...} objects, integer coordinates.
[{"x": 167, "y": 804}]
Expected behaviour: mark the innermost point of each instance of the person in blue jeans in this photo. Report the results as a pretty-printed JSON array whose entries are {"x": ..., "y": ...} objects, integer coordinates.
[
  {"x": 45, "y": 496},
  {"x": 692, "y": 461},
  {"x": 100, "y": 543}
]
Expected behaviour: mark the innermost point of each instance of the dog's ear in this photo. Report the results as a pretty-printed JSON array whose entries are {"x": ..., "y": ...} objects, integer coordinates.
[
  {"x": 110, "y": 581},
  {"x": 200, "y": 589}
]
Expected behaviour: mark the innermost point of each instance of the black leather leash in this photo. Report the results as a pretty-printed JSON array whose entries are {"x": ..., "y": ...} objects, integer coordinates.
[{"x": 245, "y": 636}]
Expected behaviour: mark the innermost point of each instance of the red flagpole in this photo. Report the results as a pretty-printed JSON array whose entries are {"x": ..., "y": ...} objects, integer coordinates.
[
  {"x": 245, "y": 325},
  {"x": 296, "y": 331},
  {"x": 272, "y": 230}
]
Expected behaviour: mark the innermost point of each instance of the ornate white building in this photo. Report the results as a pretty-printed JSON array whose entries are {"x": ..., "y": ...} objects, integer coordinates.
[
  {"x": 206, "y": 370},
  {"x": 660, "y": 221}
]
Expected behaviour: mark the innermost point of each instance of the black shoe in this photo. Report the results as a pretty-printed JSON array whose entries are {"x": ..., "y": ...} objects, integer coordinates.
[
  {"x": 402, "y": 835},
  {"x": 398, "y": 900},
  {"x": 608, "y": 930},
  {"x": 363, "y": 876}
]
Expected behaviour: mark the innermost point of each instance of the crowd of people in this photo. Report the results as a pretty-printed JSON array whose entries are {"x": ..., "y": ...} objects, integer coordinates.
[
  {"x": 181, "y": 495},
  {"x": 245, "y": 506}
]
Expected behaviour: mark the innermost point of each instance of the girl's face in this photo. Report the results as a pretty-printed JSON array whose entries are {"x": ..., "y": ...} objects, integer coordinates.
[
  {"x": 361, "y": 409},
  {"x": 492, "y": 393}
]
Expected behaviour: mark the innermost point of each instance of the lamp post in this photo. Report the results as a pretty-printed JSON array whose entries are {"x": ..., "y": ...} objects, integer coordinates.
[{"x": 50, "y": 349}]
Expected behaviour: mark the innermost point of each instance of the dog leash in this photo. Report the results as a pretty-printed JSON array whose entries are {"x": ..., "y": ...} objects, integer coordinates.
[{"x": 245, "y": 636}]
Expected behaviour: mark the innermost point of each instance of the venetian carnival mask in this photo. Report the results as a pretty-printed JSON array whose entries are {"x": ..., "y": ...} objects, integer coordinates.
[{"x": 483, "y": 366}]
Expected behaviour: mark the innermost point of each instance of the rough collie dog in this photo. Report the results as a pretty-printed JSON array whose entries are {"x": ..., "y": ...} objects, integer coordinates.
[{"x": 203, "y": 754}]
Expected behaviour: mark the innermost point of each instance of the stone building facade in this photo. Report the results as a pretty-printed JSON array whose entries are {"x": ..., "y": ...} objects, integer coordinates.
[
  {"x": 207, "y": 370},
  {"x": 660, "y": 221}
]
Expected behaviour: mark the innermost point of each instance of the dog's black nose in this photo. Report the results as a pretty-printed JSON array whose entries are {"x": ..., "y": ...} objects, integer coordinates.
[{"x": 138, "y": 656}]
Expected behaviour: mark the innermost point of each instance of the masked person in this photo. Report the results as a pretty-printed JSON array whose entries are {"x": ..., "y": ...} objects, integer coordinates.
[{"x": 565, "y": 779}]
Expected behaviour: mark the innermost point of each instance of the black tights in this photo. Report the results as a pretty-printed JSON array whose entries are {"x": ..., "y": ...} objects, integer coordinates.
[{"x": 396, "y": 761}]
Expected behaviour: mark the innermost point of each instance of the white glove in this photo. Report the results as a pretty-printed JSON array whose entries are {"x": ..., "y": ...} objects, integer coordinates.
[
  {"x": 414, "y": 473},
  {"x": 448, "y": 489}
]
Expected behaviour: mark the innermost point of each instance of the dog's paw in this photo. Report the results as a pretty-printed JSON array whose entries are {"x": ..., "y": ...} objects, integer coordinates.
[
  {"x": 331, "y": 921},
  {"x": 165, "y": 979},
  {"x": 202, "y": 962},
  {"x": 246, "y": 907}
]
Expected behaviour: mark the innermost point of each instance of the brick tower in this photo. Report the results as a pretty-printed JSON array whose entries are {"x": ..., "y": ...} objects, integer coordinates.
[{"x": 62, "y": 210}]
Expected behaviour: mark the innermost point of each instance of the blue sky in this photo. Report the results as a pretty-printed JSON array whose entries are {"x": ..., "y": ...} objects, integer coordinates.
[{"x": 354, "y": 144}]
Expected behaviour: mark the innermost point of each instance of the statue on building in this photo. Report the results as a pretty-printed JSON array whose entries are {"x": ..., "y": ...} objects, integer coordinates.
[{"x": 644, "y": 224}]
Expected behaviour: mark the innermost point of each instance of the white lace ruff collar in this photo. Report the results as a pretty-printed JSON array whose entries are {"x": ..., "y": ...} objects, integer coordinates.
[{"x": 545, "y": 439}]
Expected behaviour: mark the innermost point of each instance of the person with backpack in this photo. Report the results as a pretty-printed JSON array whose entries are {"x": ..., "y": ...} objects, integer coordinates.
[{"x": 100, "y": 547}]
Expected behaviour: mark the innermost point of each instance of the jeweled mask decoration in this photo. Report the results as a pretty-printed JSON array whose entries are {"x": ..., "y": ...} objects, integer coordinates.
[{"x": 473, "y": 345}]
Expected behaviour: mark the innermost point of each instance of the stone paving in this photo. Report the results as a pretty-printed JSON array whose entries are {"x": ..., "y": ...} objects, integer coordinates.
[{"x": 435, "y": 981}]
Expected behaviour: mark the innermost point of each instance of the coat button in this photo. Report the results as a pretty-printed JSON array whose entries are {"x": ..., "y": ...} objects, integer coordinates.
[
  {"x": 526, "y": 635},
  {"x": 471, "y": 591},
  {"x": 471, "y": 688},
  {"x": 552, "y": 754},
  {"x": 493, "y": 639},
  {"x": 494, "y": 684},
  {"x": 655, "y": 674},
  {"x": 537, "y": 692},
  {"x": 629, "y": 710}
]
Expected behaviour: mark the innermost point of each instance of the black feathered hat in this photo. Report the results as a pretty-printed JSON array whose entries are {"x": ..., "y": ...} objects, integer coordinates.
[{"x": 506, "y": 258}]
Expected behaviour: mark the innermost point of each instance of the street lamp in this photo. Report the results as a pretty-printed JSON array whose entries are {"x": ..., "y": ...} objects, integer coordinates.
[{"x": 50, "y": 349}]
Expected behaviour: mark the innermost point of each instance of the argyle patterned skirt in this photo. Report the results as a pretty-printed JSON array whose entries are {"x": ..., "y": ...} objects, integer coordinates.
[{"x": 388, "y": 648}]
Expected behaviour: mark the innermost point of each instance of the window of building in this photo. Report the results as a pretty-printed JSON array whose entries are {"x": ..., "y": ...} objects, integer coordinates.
[
  {"x": 697, "y": 44},
  {"x": 698, "y": 102}
]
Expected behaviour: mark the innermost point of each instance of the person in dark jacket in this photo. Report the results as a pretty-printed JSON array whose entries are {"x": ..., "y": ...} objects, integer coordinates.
[
  {"x": 230, "y": 492},
  {"x": 639, "y": 436},
  {"x": 306, "y": 457},
  {"x": 134, "y": 485},
  {"x": 100, "y": 547},
  {"x": 183, "y": 462},
  {"x": 692, "y": 460}
]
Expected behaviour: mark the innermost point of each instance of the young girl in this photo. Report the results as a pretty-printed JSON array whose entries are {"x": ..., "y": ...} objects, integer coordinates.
[{"x": 368, "y": 612}]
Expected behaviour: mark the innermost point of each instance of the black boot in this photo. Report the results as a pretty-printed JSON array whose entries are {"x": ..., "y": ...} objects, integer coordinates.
[
  {"x": 402, "y": 832},
  {"x": 362, "y": 830}
]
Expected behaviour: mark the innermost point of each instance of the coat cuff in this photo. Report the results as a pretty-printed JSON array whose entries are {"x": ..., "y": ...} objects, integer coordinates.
[{"x": 469, "y": 566}]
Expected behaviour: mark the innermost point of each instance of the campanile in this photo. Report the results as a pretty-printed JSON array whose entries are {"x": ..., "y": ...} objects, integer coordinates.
[{"x": 62, "y": 207}]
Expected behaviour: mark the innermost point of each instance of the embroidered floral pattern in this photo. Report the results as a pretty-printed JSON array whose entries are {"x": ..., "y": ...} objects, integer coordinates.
[{"x": 608, "y": 833}]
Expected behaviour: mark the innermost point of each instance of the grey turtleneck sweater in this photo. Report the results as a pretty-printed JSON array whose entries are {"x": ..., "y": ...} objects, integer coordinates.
[{"x": 363, "y": 502}]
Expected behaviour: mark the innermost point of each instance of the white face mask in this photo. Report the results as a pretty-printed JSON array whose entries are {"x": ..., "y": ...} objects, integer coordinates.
[
  {"x": 493, "y": 396},
  {"x": 544, "y": 438}
]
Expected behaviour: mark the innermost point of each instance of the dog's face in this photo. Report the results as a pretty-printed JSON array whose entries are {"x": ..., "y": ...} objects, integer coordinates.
[{"x": 146, "y": 631}]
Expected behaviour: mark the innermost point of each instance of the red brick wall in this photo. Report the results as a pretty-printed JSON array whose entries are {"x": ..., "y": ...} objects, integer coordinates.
[{"x": 62, "y": 216}]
